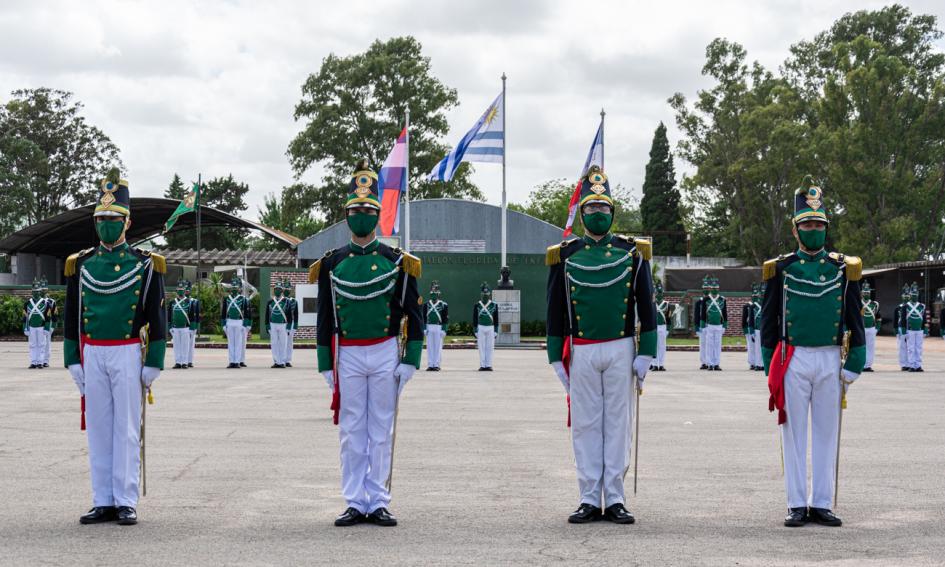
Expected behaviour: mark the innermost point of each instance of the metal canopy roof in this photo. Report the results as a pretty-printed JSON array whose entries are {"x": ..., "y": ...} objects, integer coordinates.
[{"x": 72, "y": 231}]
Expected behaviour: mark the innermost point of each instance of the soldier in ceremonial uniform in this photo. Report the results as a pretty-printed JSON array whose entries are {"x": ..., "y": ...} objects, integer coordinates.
[
  {"x": 664, "y": 313},
  {"x": 699, "y": 324},
  {"x": 810, "y": 298},
  {"x": 436, "y": 315},
  {"x": 292, "y": 324},
  {"x": 715, "y": 321},
  {"x": 179, "y": 321},
  {"x": 50, "y": 326},
  {"x": 194, "y": 322},
  {"x": 871, "y": 324},
  {"x": 36, "y": 314},
  {"x": 899, "y": 323},
  {"x": 751, "y": 317},
  {"x": 236, "y": 318},
  {"x": 115, "y": 328},
  {"x": 367, "y": 293},
  {"x": 485, "y": 320},
  {"x": 277, "y": 321},
  {"x": 597, "y": 285},
  {"x": 916, "y": 323}
]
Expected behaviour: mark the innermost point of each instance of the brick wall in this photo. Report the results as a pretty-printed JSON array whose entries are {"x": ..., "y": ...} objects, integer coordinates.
[
  {"x": 734, "y": 303},
  {"x": 295, "y": 277}
]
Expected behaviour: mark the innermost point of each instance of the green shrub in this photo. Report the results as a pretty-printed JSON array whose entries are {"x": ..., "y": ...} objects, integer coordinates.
[
  {"x": 460, "y": 329},
  {"x": 533, "y": 328},
  {"x": 11, "y": 315}
]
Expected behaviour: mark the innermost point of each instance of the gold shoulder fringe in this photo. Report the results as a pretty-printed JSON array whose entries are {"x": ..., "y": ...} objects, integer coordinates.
[
  {"x": 854, "y": 268},
  {"x": 644, "y": 247},
  {"x": 313, "y": 271},
  {"x": 412, "y": 265},
  {"x": 72, "y": 260},
  {"x": 769, "y": 269},
  {"x": 553, "y": 255},
  {"x": 159, "y": 262}
]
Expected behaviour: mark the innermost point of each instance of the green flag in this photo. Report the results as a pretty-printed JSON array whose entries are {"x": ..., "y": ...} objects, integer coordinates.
[{"x": 187, "y": 205}]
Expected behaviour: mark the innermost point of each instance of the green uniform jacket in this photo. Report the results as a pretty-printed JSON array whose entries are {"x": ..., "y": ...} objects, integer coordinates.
[{"x": 437, "y": 313}]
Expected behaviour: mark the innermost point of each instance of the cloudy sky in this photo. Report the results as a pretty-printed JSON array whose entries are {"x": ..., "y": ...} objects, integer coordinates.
[{"x": 210, "y": 86}]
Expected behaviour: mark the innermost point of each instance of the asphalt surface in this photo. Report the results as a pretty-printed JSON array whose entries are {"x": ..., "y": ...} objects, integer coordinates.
[{"x": 243, "y": 470}]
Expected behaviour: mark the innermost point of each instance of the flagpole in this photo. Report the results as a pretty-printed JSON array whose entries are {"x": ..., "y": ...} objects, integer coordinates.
[
  {"x": 602, "y": 113},
  {"x": 407, "y": 192},
  {"x": 199, "y": 190},
  {"x": 504, "y": 151}
]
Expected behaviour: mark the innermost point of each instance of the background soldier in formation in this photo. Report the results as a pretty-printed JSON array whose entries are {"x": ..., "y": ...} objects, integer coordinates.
[
  {"x": 811, "y": 296},
  {"x": 915, "y": 325},
  {"x": 50, "y": 325},
  {"x": 236, "y": 318},
  {"x": 115, "y": 329},
  {"x": 485, "y": 320},
  {"x": 900, "y": 326},
  {"x": 596, "y": 287},
  {"x": 277, "y": 322},
  {"x": 714, "y": 320},
  {"x": 436, "y": 315},
  {"x": 698, "y": 322},
  {"x": 181, "y": 319},
  {"x": 194, "y": 321},
  {"x": 373, "y": 299},
  {"x": 292, "y": 324},
  {"x": 664, "y": 313},
  {"x": 751, "y": 327},
  {"x": 871, "y": 324},
  {"x": 37, "y": 314}
]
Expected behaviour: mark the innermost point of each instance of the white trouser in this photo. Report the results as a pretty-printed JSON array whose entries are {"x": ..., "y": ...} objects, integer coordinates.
[
  {"x": 289, "y": 344},
  {"x": 759, "y": 361},
  {"x": 368, "y": 400},
  {"x": 247, "y": 331},
  {"x": 235, "y": 340},
  {"x": 37, "y": 341},
  {"x": 903, "y": 351},
  {"x": 48, "y": 344},
  {"x": 870, "y": 345},
  {"x": 181, "y": 337},
  {"x": 193, "y": 342},
  {"x": 113, "y": 422},
  {"x": 485, "y": 339},
  {"x": 914, "y": 341},
  {"x": 701, "y": 335},
  {"x": 661, "y": 334},
  {"x": 811, "y": 385},
  {"x": 750, "y": 348},
  {"x": 601, "y": 414},
  {"x": 277, "y": 339},
  {"x": 713, "y": 344},
  {"x": 435, "y": 334}
]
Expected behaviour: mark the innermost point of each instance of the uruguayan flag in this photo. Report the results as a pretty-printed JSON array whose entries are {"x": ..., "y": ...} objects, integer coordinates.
[{"x": 485, "y": 142}]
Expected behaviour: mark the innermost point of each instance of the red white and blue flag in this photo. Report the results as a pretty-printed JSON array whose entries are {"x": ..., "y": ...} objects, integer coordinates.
[
  {"x": 392, "y": 183},
  {"x": 594, "y": 157}
]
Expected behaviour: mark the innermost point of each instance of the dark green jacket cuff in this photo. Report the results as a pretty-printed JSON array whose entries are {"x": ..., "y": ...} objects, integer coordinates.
[
  {"x": 555, "y": 346},
  {"x": 71, "y": 351},
  {"x": 155, "y": 356},
  {"x": 856, "y": 359},
  {"x": 647, "y": 343},
  {"x": 766, "y": 354},
  {"x": 324, "y": 358},
  {"x": 412, "y": 353}
]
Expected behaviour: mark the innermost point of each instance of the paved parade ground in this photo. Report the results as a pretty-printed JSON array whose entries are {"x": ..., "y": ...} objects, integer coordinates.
[{"x": 243, "y": 470}]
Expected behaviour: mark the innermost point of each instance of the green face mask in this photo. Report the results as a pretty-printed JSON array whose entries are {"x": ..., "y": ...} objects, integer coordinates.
[
  {"x": 598, "y": 223},
  {"x": 234, "y": 292},
  {"x": 485, "y": 297},
  {"x": 35, "y": 295},
  {"x": 180, "y": 293},
  {"x": 361, "y": 224},
  {"x": 109, "y": 231},
  {"x": 812, "y": 239}
]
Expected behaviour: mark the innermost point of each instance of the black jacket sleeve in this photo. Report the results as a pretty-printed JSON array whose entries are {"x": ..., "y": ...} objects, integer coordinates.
[
  {"x": 852, "y": 318},
  {"x": 771, "y": 323},
  {"x": 445, "y": 314}
]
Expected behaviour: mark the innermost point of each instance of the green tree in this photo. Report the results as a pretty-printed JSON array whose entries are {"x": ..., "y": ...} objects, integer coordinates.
[
  {"x": 355, "y": 106},
  {"x": 223, "y": 193},
  {"x": 659, "y": 208},
  {"x": 289, "y": 212},
  {"x": 51, "y": 159}
]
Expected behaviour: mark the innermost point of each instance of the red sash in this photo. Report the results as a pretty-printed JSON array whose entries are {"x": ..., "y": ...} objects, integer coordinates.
[
  {"x": 566, "y": 361},
  {"x": 336, "y": 393},
  {"x": 776, "y": 372}
]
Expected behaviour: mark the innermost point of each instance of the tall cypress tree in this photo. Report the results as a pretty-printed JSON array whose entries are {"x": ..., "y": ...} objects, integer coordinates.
[{"x": 660, "y": 205}]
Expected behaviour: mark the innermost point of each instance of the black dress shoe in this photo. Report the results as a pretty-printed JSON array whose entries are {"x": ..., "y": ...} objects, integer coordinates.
[
  {"x": 32, "y": 366},
  {"x": 45, "y": 365},
  {"x": 177, "y": 366},
  {"x": 382, "y": 517},
  {"x": 430, "y": 369},
  {"x": 233, "y": 365},
  {"x": 919, "y": 369},
  {"x": 488, "y": 369},
  {"x": 867, "y": 369},
  {"x": 796, "y": 517},
  {"x": 288, "y": 365},
  {"x": 718, "y": 368},
  {"x": 98, "y": 515},
  {"x": 350, "y": 517},
  {"x": 704, "y": 367},
  {"x": 617, "y": 514},
  {"x": 190, "y": 365},
  {"x": 824, "y": 517},
  {"x": 662, "y": 369},
  {"x": 242, "y": 365},
  {"x": 482, "y": 369},
  {"x": 584, "y": 514},
  {"x": 277, "y": 366},
  {"x": 905, "y": 369},
  {"x": 127, "y": 516}
]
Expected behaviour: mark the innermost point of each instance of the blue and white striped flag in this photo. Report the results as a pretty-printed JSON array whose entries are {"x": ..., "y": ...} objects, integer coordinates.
[{"x": 484, "y": 143}]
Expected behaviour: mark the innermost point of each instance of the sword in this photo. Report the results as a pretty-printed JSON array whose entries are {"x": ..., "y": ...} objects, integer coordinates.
[
  {"x": 144, "y": 468},
  {"x": 401, "y": 348},
  {"x": 638, "y": 391},
  {"x": 844, "y": 349}
]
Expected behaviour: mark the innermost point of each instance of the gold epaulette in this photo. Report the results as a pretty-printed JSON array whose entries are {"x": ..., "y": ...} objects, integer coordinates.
[
  {"x": 644, "y": 247},
  {"x": 72, "y": 260},
  {"x": 412, "y": 265},
  {"x": 553, "y": 255},
  {"x": 313, "y": 271},
  {"x": 159, "y": 262},
  {"x": 854, "y": 269},
  {"x": 769, "y": 268}
]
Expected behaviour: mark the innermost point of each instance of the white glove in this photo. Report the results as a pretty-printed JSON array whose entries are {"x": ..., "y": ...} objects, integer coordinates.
[
  {"x": 78, "y": 376},
  {"x": 562, "y": 375},
  {"x": 442, "y": 334},
  {"x": 329, "y": 376},
  {"x": 403, "y": 374},
  {"x": 148, "y": 375},
  {"x": 848, "y": 378},
  {"x": 640, "y": 365}
]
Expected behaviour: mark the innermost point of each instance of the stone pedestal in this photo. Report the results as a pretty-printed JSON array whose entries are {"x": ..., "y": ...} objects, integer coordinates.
[{"x": 509, "y": 302}]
